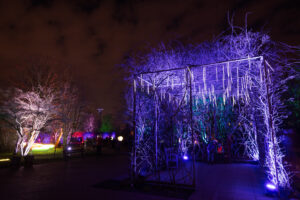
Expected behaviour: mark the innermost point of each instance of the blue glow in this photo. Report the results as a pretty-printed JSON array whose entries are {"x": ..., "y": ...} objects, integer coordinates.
[
  {"x": 222, "y": 70},
  {"x": 107, "y": 135},
  {"x": 44, "y": 138},
  {"x": 185, "y": 157},
  {"x": 88, "y": 135},
  {"x": 270, "y": 186}
]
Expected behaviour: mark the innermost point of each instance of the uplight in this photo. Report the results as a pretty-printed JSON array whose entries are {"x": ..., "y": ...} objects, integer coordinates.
[{"x": 270, "y": 186}]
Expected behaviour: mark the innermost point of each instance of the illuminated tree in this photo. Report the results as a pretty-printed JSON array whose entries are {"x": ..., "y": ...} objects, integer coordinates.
[
  {"x": 28, "y": 112},
  {"x": 40, "y": 98},
  {"x": 71, "y": 111},
  {"x": 89, "y": 125},
  {"x": 246, "y": 70}
]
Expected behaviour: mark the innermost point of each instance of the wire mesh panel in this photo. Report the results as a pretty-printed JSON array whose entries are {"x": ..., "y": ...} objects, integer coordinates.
[{"x": 163, "y": 131}]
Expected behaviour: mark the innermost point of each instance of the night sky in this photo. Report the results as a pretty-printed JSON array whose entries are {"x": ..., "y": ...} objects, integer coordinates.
[{"x": 93, "y": 37}]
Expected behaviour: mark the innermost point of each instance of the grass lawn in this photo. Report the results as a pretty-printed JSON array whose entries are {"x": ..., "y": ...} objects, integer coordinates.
[
  {"x": 48, "y": 154},
  {"x": 37, "y": 153},
  {"x": 42, "y": 156}
]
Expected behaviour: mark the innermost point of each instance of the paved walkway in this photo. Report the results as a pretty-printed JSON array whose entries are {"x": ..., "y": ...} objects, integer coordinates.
[
  {"x": 72, "y": 180},
  {"x": 75, "y": 179},
  {"x": 228, "y": 181}
]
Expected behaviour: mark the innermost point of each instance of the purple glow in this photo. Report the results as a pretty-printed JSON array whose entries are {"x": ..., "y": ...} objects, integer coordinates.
[
  {"x": 88, "y": 135},
  {"x": 218, "y": 75},
  {"x": 270, "y": 186},
  {"x": 107, "y": 135},
  {"x": 185, "y": 157},
  {"x": 113, "y": 135},
  {"x": 44, "y": 138}
]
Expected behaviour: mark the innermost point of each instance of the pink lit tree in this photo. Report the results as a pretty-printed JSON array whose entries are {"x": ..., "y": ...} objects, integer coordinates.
[{"x": 89, "y": 125}]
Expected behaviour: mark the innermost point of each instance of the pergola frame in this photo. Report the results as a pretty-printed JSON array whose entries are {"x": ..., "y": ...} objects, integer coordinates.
[{"x": 224, "y": 84}]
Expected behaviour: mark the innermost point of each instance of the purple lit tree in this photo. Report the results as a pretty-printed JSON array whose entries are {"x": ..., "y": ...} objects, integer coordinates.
[{"x": 195, "y": 92}]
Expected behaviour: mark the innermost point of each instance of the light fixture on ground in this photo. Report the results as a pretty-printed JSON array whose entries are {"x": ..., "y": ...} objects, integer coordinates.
[
  {"x": 271, "y": 187},
  {"x": 185, "y": 157}
]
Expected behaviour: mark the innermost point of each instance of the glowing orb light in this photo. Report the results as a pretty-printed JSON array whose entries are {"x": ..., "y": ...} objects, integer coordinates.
[
  {"x": 120, "y": 138},
  {"x": 69, "y": 148},
  {"x": 185, "y": 157}
]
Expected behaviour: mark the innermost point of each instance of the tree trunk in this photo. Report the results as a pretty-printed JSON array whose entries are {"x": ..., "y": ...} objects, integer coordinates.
[
  {"x": 260, "y": 126},
  {"x": 30, "y": 142}
]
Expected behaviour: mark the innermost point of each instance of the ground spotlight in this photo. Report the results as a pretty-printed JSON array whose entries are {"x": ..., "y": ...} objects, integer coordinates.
[{"x": 271, "y": 187}]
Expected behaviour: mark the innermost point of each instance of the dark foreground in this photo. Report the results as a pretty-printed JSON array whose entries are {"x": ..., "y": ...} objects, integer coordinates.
[{"x": 76, "y": 179}]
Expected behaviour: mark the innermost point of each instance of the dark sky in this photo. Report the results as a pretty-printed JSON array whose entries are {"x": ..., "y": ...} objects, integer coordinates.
[{"x": 93, "y": 36}]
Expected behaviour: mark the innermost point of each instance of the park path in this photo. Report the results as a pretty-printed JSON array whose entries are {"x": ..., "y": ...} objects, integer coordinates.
[
  {"x": 75, "y": 179},
  {"x": 236, "y": 181}
]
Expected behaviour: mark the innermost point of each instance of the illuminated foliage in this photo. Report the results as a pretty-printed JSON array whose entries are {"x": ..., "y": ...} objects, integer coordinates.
[
  {"x": 233, "y": 83},
  {"x": 37, "y": 101},
  {"x": 28, "y": 112}
]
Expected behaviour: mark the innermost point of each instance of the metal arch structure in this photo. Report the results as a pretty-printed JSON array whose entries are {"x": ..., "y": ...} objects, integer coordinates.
[{"x": 164, "y": 107}]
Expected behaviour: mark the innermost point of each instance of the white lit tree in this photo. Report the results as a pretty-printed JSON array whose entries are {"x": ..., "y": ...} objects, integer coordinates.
[
  {"x": 31, "y": 103},
  {"x": 28, "y": 112}
]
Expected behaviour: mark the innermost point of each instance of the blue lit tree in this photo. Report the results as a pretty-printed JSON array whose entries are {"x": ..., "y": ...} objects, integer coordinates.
[{"x": 234, "y": 82}]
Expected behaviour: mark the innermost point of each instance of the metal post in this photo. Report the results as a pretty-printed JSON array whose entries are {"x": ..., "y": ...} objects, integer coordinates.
[
  {"x": 156, "y": 130},
  {"x": 191, "y": 124},
  {"x": 134, "y": 132},
  {"x": 271, "y": 122}
]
